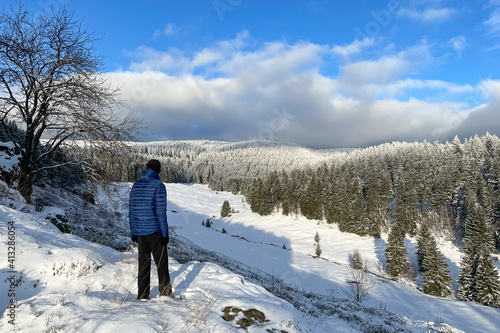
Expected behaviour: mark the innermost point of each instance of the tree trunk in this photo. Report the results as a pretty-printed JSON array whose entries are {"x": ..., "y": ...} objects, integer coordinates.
[
  {"x": 25, "y": 186},
  {"x": 28, "y": 156}
]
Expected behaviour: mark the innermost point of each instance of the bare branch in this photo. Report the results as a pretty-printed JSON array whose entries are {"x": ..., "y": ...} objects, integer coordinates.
[{"x": 52, "y": 88}]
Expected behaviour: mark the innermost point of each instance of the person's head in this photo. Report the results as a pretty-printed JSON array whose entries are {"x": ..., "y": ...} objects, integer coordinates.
[{"x": 154, "y": 165}]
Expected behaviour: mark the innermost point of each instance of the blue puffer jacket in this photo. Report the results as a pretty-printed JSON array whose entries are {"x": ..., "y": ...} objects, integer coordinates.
[{"x": 148, "y": 205}]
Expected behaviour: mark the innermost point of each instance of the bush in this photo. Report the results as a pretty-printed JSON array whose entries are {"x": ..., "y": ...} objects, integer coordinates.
[{"x": 61, "y": 222}]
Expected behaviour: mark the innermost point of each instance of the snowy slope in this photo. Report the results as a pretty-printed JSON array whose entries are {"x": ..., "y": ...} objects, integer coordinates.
[
  {"x": 263, "y": 249},
  {"x": 67, "y": 284},
  {"x": 63, "y": 283}
]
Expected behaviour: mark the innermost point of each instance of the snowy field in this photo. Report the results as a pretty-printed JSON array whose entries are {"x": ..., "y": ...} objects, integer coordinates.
[
  {"x": 63, "y": 283},
  {"x": 263, "y": 250}
]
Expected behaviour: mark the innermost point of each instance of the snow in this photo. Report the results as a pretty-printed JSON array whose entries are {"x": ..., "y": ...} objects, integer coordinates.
[
  {"x": 8, "y": 159},
  {"x": 298, "y": 267},
  {"x": 68, "y": 284}
]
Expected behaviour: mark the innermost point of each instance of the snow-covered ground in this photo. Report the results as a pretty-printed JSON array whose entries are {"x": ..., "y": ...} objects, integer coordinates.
[
  {"x": 62, "y": 283},
  {"x": 65, "y": 283},
  {"x": 264, "y": 250}
]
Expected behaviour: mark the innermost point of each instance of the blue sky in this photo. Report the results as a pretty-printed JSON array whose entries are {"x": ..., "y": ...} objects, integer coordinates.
[{"x": 323, "y": 74}]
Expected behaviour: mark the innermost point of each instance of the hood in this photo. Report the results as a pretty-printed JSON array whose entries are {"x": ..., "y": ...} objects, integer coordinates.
[{"x": 149, "y": 174}]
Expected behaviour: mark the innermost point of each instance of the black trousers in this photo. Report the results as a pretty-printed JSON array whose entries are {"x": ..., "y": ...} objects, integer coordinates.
[{"x": 151, "y": 244}]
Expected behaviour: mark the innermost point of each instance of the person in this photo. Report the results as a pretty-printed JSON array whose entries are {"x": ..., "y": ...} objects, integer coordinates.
[{"x": 149, "y": 228}]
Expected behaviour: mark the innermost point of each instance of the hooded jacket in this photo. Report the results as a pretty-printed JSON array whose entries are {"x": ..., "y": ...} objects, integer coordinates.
[{"x": 148, "y": 205}]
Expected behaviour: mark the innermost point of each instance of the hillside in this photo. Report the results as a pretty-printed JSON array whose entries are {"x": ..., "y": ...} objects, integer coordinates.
[
  {"x": 219, "y": 163},
  {"x": 66, "y": 284}
]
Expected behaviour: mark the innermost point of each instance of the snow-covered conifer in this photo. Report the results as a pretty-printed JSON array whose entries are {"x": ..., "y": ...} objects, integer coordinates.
[
  {"x": 478, "y": 280},
  {"x": 395, "y": 253},
  {"x": 488, "y": 282},
  {"x": 356, "y": 260},
  {"x": 424, "y": 239},
  {"x": 436, "y": 278}
]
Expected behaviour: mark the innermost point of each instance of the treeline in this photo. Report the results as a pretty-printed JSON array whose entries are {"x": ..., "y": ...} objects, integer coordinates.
[
  {"x": 224, "y": 166},
  {"x": 409, "y": 183}
]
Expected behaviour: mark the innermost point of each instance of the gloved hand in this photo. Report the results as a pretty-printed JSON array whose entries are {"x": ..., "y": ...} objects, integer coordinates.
[
  {"x": 134, "y": 238},
  {"x": 164, "y": 241}
]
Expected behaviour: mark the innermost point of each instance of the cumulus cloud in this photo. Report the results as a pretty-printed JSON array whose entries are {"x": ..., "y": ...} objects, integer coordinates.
[
  {"x": 359, "y": 78},
  {"x": 234, "y": 91},
  {"x": 484, "y": 117}
]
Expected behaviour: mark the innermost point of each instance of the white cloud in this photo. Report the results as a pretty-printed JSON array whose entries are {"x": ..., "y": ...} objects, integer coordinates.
[
  {"x": 274, "y": 61},
  {"x": 490, "y": 89},
  {"x": 484, "y": 117},
  {"x": 180, "y": 98},
  {"x": 169, "y": 30},
  {"x": 427, "y": 15},
  {"x": 492, "y": 24},
  {"x": 399, "y": 87},
  {"x": 151, "y": 59},
  {"x": 356, "y": 47},
  {"x": 359, "y": 78},
  {"x": 458, "y": 43},
  {"x": 175, "y": 61},
  {"x": 377, "y": 71}
]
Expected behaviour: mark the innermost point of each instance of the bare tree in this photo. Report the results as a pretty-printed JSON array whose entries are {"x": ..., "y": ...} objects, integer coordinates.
[
  {"x": 359, "y": 284},
  {"x": 53, "y": 89}
]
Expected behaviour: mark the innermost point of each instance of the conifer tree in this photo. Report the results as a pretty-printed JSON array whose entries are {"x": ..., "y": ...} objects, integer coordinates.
[
  {"x": 286, "y": 197},
  {"x": 318, "y": 250},
  {"x": 395, "y": 253},
  {"x": 260, "y": 198},
  {"x": 472, "y": 250},
  {"x": 311, "y": 203},
  {"x": 436, "y": 278},
  {"x": 316, "y": 238},
  {"x": 356, "y": 260},
  {"x": 467, "y": 279},
  {"x": 254, "y": 198},
  {"x": 266, "y": 195},
  {"x": 316, "y": 243},
  {"x": 295, "y": 191},
  {"x": 424, "y": 238},
  {"x": 226, "y": 209},
  {"x": 406, "y": 209},
  {"x": 347, "y": 221},
  {"x": 488, "y": 282},
  {"x": 360, "y": 222},
  {"x": 333, "y": 197},
  {"x": 274, "y": 189},
  {"x": 478, "y": 280}
]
